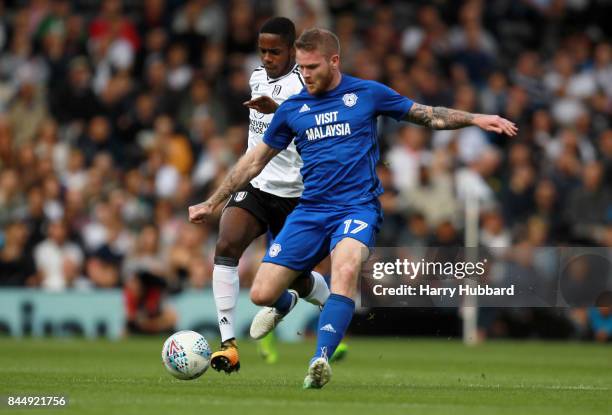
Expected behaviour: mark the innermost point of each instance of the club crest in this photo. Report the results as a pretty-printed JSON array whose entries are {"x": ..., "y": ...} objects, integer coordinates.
[
  {"x": 274, "y": 250},
  {"x": 349, "y": 99},
  {"x": 239, "y": 197}
]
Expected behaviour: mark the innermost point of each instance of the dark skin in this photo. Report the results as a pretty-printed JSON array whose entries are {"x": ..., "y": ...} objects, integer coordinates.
[
  {"x": 277, "y": 59},
  {"x": 238, "y": 227}
]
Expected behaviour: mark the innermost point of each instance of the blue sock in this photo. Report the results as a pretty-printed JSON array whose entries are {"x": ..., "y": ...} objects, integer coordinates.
[
  {"x": 283, "y": 304},
  {"x": 333, "y": 322}
]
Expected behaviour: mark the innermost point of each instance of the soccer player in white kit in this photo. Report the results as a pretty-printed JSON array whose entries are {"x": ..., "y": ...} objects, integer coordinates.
[{"x": 264, "y": 203}]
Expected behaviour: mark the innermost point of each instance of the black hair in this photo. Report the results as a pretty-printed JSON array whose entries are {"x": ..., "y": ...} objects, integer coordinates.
[{"x": 282, "y": 27}]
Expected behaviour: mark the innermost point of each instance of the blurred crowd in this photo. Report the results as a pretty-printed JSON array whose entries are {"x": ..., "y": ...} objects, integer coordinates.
[{"x": 116, "y": 115}]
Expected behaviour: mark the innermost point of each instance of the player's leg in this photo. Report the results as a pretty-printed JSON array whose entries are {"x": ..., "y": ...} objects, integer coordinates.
[
  {"x": 309, "y": 285},
  {"x": 237, "y": 229},
  {"x": 347, "y": 257},
  {"x": 269, "y": 289},
  {"x": 312, "y": 287},
  {"x": 266, "y": 346},
  {"x": 300, "y": 245},
  {"x": 350, "y": 242},
  {"x": 270, "y": 283},
  {"x": 324, "y": 269}
]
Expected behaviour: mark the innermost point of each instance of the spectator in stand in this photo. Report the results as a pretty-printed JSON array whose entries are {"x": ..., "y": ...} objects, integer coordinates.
[
  {"x": 528, "y": 75},
  {"x": 99, "y": 139},
  {"x": 17, "y": 268},
  {"x": 494, "y": 233},
  {"x": 175, "y": 146},
  {"x": 433, "y": 195},
  {"x": 147, "y": 280},
  {"x": 156, "y": 85},
  {"x": 431, "y": 33},
  {"x": 58, "y": 260},
  {"x": 471, "y": 142},
  {"x": 517, "y": 194},
  {"x": 28, "y": 109},
  {"x": 189, "y": 257},
  {"x": 74, "y": 101},
  {"x": 589, "y": 207},
  {"x": 407, "y": 156},
  {"x": 113, "y": 42},
  {"x": 11, "y": 198},
  {"x": 202, "y": 18},
  {"x": 546, "y": 208},
  {"x": 179, "y": 71},
  {"x": 471, "y": 182},
  {"x": 605, "y": 154}
]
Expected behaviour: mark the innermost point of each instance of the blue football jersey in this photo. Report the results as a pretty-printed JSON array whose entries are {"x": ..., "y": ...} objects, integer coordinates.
[{"x": 335, "y": 133}]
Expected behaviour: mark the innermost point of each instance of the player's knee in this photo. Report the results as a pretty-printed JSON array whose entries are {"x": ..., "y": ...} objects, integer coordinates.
[
  {"x": 228, "y": 248},
  {"x": 261, "y": 296},
  {"x": 346, "y": 273}
]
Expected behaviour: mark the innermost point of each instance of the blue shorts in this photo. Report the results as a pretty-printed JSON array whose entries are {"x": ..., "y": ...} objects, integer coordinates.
[{"x": 312, "y": 231}]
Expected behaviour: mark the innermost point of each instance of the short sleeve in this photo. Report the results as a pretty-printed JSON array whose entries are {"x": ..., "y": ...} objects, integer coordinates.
[
  {"x": 279, "y": 135},
  {"x": 388, "y": 102}
]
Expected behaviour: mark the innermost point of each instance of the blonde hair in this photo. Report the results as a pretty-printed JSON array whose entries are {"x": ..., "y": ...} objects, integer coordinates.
[{"x": 318, "y": 39}]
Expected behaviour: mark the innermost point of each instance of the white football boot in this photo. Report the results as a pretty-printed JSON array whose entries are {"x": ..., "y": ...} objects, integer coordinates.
[
  {"x": 268, "y": 318},
  {"x": 319, "y": 373}
]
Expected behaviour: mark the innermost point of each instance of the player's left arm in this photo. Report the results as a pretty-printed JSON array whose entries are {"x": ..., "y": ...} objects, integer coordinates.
[{"x": 441, "y": 118}]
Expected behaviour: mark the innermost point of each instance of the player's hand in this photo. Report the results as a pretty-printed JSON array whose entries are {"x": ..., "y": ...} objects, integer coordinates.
[
  {"x": 263, "y": 104},
  {"x": 200, "y": 213},
  {"x": 496, "y": 124}
]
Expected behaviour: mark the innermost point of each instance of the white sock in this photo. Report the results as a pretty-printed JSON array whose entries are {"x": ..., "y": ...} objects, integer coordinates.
[
  {"x": 320, "y": 291},
  {"x": 226, "y": 285}
]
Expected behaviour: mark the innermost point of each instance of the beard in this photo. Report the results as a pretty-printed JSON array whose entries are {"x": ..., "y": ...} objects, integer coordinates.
[{"x": 323, "y": 83}]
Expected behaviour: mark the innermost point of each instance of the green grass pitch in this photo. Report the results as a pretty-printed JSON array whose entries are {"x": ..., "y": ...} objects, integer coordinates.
[{"x": 380, "y": 376}]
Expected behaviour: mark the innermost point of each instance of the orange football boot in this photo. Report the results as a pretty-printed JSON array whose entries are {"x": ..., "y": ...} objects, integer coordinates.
[{"x": 226, "y": 359}]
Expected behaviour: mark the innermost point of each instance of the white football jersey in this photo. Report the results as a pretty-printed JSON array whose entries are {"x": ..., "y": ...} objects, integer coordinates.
[{"x": 281, "y": 177}]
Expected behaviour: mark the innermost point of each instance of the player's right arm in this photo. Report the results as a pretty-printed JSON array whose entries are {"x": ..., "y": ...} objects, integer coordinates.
[
  {"x": 276, "y": 138},
  {"x": 248, "y": 167}
]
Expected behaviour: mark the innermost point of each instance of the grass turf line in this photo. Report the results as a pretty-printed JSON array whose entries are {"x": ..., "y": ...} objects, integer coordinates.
[{"x": 380, "y": 376}]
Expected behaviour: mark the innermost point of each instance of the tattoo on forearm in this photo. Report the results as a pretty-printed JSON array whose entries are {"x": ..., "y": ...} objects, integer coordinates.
[
  {"x": 249, "y": 166},
  {"x": 228, "y": 186},
  {"x": 439, "y": 118}
]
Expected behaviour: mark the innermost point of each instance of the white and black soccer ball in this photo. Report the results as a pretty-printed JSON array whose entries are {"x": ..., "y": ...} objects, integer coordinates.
[{"x": 186, "y": 355}]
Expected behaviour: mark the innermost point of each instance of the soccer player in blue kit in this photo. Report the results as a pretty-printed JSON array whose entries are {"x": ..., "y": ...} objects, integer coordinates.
[{"x": 333, "y": 123}]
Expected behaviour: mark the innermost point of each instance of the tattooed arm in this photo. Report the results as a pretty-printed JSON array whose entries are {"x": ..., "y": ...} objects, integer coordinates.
[
  {"x": 249, "y": 166},
  {"x": 441, "y": 118}
]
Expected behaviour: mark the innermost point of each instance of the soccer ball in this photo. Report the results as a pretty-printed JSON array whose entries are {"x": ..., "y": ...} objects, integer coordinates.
[{"x": 186, "y": 355}]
